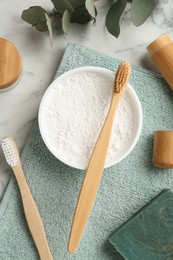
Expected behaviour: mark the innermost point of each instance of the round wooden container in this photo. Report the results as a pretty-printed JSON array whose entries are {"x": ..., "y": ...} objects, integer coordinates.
[
  {"x": 161, "y": 51},
  {"x": 163, "y": 149},
  {"x": 10, "y": 65}
]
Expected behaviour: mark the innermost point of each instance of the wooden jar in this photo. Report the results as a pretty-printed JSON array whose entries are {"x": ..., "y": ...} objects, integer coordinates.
[
  {"x": 161, "y": 51},
  {"x": 163, "y": 149},
  {"x": 10, "y": 65}
]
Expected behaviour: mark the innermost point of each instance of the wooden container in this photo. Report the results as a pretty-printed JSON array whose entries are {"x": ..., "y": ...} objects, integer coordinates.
[
  {"x": 161, "y": 51},
  {"x": 163, "y": 149},
  {"x": 10, "y": 65}
]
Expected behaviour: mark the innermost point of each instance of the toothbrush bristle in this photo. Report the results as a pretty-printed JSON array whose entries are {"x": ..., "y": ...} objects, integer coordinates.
[
  {"x": 9, "y": 152},
  {"x": 122, "y": 76}
]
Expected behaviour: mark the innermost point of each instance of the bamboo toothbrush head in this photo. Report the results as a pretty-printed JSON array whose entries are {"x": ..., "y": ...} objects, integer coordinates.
[
  {"x": 122, "y": 76},
  {"x": 10, "y": 151}
]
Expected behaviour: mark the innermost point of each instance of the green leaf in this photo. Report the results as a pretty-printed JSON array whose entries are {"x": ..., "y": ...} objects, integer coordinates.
[
  {"x": 77, "y": 3},
  {"x": 62, "y": 5},
  {"x": 141, "y": 10},
  {"x": 35, "y": 16},
  {"x": 66, "y": 21},
  {"x": 113, "y": 17},
  {"x": 89, "y": 4},
  {"x": 81, "y": 16},
  {"x": 49, "y": 26},
  {"x": 79, "y": 13}
]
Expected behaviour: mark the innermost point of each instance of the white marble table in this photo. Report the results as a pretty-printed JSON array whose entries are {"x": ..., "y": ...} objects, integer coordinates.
[{"x": 19, "y": 107}]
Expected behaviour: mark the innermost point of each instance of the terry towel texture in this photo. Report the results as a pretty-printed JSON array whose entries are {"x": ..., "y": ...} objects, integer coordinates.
[{"x": 125, "y": 187}]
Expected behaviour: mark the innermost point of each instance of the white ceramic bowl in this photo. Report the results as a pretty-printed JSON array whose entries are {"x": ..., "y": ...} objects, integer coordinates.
[{"x": 46, "y": 132}]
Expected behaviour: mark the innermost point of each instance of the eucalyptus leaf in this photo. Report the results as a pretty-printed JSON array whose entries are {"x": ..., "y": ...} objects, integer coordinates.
[
  {"x": 113, "y": 17},
  {"x": 141, "y": 10},
  {"x": 81, "y": 16},
  {"x": 49, "y": 26},
  {"x": 77, "y": 3},
  {"x": 66, "y": 21},
  {"x": 62, "y": 5},
  {"x": 89, "y": 4},
  {"x": 35, "y": 16}
]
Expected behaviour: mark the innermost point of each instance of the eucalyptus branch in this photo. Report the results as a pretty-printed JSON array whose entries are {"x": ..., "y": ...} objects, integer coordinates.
[{"x": 83, "y": 11}]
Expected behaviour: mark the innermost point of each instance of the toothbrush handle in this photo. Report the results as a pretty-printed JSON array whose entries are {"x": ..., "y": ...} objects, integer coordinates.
[
  {"x": 32, "y": 215},
  {"x": 92, "y": 179}
]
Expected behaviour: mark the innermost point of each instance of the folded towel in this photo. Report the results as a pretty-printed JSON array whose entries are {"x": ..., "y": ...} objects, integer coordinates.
[{"x": 125, "y": 187}]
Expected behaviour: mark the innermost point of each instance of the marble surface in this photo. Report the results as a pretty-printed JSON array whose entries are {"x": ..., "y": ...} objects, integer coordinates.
[{"x": 19, "y": 106}]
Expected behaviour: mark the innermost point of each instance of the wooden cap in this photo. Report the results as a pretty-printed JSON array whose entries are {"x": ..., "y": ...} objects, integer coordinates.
[
  {"x": 163, "y": 149},
  {"x": 159, "y": 43},
  {"x": 161, "y": 52},
  {"x": 10, "y": 64}
]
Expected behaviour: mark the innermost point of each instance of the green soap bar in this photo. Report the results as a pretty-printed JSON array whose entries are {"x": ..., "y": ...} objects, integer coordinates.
[{"x": 148, "y": 235}]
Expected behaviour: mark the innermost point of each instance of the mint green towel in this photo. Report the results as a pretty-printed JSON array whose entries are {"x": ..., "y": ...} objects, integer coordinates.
[{"x": 125, "y": 187}]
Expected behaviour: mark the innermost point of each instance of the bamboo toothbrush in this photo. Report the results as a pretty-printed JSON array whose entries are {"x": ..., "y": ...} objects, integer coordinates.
[
  {"x": 31, "y": 212},
  {"x": 96, "y": 165}
]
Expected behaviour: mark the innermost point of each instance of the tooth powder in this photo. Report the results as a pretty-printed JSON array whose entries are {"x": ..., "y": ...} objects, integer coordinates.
[{"x": 74, "y": 113}]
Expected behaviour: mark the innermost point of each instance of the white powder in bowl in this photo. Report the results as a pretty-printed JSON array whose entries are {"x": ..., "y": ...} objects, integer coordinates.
[{"x": 73, "y": 113}]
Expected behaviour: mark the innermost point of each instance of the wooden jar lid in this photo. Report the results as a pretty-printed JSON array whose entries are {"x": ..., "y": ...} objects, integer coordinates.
[
  {"x": 158, "y": 44},
  {"x": 161, "y": 52},
  {"x": 163, "y": 149},
  {"x": 10, "y": 64}
]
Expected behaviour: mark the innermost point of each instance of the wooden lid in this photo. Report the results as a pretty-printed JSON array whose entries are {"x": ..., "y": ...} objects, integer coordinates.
[
  {"x": 10, "y": 64},
  {"x": 163, "y": 149},
  {"x": 159, "y": 43}
]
